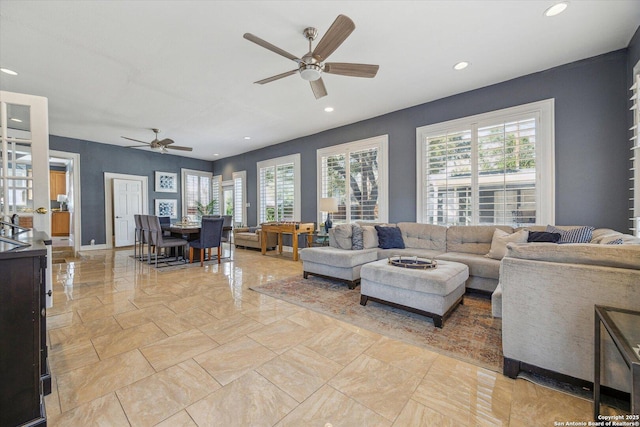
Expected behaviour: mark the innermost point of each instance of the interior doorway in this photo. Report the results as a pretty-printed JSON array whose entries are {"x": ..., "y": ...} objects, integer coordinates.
[
  {"x": 110, "y": 216},
  {"x": 64, "y": 195},
  {"x": 227, "y": 198}
]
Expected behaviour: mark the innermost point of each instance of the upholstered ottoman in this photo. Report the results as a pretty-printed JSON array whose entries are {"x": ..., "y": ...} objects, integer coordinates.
[
  {"x": 434, "y": 292},
  {"x": 333, "y": 263}
]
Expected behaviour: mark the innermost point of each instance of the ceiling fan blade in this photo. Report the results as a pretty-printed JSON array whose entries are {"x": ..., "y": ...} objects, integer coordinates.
[
  {"x": 272, "y": 48},
  {"x": 352, "y": 70},
  {"x": 317, "y": 86},
  {"x": 166, "y": 141},
  {"x": 279, "y": 76},
  {"x": 335, "y": 35},
  {"x": 137, "y": 140},
  {"x": 135, "y": 146},
  {"x": 177, "y": 147}
]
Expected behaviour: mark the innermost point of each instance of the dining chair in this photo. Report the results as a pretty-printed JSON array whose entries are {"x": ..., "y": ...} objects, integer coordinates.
[
  {"x": 210, "y": 237},
  {"x": 137, "y": 238},
  {"x": 160, "y": 241},
  {"x": 144, "y": 236}
]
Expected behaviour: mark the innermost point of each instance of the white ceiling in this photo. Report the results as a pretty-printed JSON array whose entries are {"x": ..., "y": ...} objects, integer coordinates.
[{"x": 118, "y": 68}]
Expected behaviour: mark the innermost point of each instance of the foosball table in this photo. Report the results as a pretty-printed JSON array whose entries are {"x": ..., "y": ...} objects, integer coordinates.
[{"x": 293, "y": 228}]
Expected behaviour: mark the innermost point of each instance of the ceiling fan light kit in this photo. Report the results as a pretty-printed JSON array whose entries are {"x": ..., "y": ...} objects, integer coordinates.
[{"x": 312, "y": 65}]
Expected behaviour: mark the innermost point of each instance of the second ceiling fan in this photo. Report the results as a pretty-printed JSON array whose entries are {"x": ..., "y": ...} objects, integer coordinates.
[{"x": 312, "y": 64}]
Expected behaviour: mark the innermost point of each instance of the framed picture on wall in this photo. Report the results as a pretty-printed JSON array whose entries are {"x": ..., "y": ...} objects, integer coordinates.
[
  {"x": 167, "y": 207},
  {"x": 166, "y": 182}
]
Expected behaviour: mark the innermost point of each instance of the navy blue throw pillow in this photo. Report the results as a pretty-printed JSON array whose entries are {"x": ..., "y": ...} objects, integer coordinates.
[
  {"x": 389, "y": 237},
  {"x": 543, "y": 237}
]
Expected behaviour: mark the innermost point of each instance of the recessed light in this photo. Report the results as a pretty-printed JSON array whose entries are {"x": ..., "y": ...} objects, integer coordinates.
[
  {"x": 556, "y": 9},
  {"x": 8, "y": 71},
  {"x": 461, "y": 65},
  {"x": 328, "y": 109},
  {"x": 13, "y": 119},
  {"x": 216, "y": 154},
  {"x": 247, "y": 137}
]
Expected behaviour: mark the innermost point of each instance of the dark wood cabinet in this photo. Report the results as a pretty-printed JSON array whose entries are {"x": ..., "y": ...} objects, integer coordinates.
[{"x": 23, "y": 352}]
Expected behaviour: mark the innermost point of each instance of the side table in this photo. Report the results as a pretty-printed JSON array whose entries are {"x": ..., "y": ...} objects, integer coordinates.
[{"x": 624, "y": 328}]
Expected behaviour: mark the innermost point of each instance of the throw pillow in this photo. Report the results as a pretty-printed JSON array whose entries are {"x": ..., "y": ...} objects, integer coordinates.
[
  {"x": 357, "y": 238},
  {"x": 573, "y": 235},
  {"x": 342, "y": 234},
  {"x": 501, "y": 238},
  {"x": 543, "y": 237},
  {"x": 615, "y": 242},
  {"x": 369, "y": 236},
  {"x": 389, "y": 237}
]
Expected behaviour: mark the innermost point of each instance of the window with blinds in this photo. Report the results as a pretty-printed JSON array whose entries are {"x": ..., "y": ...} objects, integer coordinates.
[
  {"x": 216, "y": 194},
  {"x": 196, "y": 192},
  {"x": 355, "y": 174},
  {"x": 239, "y": 197},
  {"x": 279, "y": 189},
  {"x": 484, "y": 169},
  {"x": 634, "y": 175}
]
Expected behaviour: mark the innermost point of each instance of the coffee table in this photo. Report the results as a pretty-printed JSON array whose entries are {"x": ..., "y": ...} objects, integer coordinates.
[{"x": 434, "y": 293}]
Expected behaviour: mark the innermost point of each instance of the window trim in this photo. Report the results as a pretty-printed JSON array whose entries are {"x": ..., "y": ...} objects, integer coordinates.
[
  {"x": 183, "y": 174},
  {"x": 382, "y": 143},
  {"x": 275, "y": 162},
  {"x": 545, "y": 151},
  {"x": 634, "y": 146},
  {"x": 243, "y": 176}
]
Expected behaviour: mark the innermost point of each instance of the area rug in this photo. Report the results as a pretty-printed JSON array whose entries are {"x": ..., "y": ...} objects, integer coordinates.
[
  {"x": 470, "y": 334},
  {"x": 171, "y": 264}
]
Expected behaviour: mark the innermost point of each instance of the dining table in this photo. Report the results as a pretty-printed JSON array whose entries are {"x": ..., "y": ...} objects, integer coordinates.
[{"x": 191, "y": 231}]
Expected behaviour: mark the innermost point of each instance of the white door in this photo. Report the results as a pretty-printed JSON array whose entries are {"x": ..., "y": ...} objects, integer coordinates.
[
  {"x": 127, "y": 201},
  {"x": 24, "y": 172}
]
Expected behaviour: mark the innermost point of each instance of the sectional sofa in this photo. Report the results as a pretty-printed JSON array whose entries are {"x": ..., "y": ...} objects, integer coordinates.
[{"x": 545, "y": 293}]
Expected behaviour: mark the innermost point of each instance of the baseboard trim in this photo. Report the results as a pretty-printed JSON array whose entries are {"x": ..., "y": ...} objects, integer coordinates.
[{"x": 93, "y": 247}]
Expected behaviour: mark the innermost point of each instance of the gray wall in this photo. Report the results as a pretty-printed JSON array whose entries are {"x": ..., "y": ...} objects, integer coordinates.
[
  {"x": 590, "y": 136},
  {"x": 96, "y": 159}
]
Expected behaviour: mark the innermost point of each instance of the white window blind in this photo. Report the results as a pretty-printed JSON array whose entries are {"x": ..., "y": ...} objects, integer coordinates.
[
  {"x": 196, "y": 192},
  {"x": 356, "y": 174},
  {"x": 279, "y": 189},
  {"x": 485, "y": 169},
  {"x": 239, "y": 197},
  {"x": 216, "y": 194},
  {"x": 634, "y": 175}
]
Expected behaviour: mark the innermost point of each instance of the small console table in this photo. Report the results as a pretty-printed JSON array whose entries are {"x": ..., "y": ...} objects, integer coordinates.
[
  {"x": 624, "y": 328},
  {"x": 293, "y": 228}
]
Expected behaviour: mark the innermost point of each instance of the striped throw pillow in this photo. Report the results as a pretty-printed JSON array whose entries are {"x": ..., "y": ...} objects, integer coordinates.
[{"x": 573, "y": 235}]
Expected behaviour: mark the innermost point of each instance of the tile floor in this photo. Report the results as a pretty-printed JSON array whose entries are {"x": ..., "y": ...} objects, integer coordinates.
[{"x": 130, "y": 345}]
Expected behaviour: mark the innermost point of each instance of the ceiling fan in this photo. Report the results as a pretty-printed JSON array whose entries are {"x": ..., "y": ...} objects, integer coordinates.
[
  {"x": 312, "y": 65},
  {"x": 161, "y": 145}
]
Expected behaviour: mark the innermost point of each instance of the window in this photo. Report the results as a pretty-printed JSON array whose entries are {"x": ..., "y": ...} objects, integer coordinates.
[
  {"x": 239, "y": 197},
  {"x": 279, "y": 189},
  {"x": 196, "y": 192},
  {"x": 493, "y": 168},
  {"x": 356, "y": 174},
  {"x": 635, "y": 154},
  {"x": 216, "y": 194}
]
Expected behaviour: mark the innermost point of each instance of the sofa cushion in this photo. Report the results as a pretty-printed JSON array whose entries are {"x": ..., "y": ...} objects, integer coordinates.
[
  {"x": 573, "y": 235},
  {"x": 479, "y": 265},
  {"x": 422, "y": 253},
  {"x": 357, "y": 238},
  {"x": 501, "y": 238},
  {"x": 338, "y": 257},
  {"x": 340, "y": 236},
  {"x": 245, "y": 235},
  {"x": 543, "y": 237},
  {"x": 389, "y": 237},
  {"x": 369, "y": 236},
  {"x": 472, "y": 239},
  {"x": 424, "y": 236}
]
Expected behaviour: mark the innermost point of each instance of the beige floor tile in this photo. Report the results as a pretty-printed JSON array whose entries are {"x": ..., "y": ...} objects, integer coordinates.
[
  {"x": 466, "y": 393},
  {"x": 177, "y": 348},
  {"x": 272, "y": 312},
  {"x": 281, "y": 335},
  {"x": 109, "y": 345},
  {"x": 404, "y": 356},
  {"x": 196, "y": 317},
  {"x": 97, "y": 379},
  {"x": 546, "y": 406},
  {"x": 299, "y": 372},
  {"x": 249, "y": 401},
  {"x": 181, "y": 419},
  {"x": 329, "y": 407},
  {"x": 311, "y": 320},
  {"x": 81, "y": 331},
  {"x": 232, "y": 360},
  {"x": 230, "y": 328},
  {"x": 66, "y": 357},
  {"x": 62, "y": 305},
  {"x": 339, "y": 344},
  {"x": 89, "y": 314},
  {"x": 377, "y": 385},
  {"x": 416, "y": 415},
  {"x": 62, "y": 320},
  {"x": 159, "y": 396},
  {"x": 223, "y": 310},
  {"x": 144, "y": 315},
  {"x": 185, "y": 304},
  {"x": 103, "y": 411},
  {"x": 52, "y": 400}
]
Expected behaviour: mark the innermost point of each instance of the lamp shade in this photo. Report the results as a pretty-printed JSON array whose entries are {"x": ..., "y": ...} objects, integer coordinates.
[{"x": 328, "y": 204}]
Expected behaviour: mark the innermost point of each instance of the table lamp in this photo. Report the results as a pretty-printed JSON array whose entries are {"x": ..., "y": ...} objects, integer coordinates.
[
  {"x": 62, "y": 199},
  {"x": 328, "y": 205}
]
